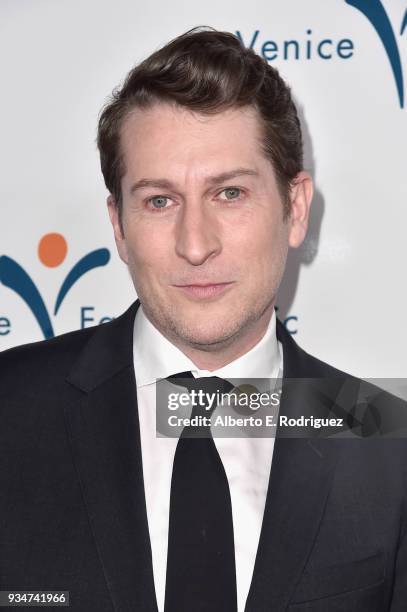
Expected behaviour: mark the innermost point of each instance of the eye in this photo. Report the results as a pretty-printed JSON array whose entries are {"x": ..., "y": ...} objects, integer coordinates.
[
  {"x": 159, "y": 202},
  {"x": 231, "y": 193}
]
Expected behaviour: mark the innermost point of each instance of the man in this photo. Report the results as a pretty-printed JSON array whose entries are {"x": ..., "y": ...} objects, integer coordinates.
[{"x": 201, "y": 153}]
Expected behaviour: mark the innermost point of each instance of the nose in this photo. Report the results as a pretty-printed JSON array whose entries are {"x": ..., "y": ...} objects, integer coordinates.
[{"x": 197, "y": 233}]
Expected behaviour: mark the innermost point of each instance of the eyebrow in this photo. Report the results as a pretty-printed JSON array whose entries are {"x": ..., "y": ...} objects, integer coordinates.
[{"x": 162, "y": 183}]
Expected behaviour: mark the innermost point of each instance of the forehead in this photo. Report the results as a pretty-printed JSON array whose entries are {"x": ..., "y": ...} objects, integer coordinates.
[{"x": 172, "y": 138}]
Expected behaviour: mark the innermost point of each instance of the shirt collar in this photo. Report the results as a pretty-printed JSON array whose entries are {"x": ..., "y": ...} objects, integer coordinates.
[{"x": 155, "y": 357}]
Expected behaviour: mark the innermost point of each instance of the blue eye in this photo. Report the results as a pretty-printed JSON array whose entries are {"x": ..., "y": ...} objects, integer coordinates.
[
  {"x": 232, "y": 193},
  {"x": 159, "y": 201}
]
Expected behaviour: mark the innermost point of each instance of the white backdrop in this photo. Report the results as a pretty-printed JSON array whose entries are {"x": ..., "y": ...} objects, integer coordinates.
[{"x": 60, "y": 59}]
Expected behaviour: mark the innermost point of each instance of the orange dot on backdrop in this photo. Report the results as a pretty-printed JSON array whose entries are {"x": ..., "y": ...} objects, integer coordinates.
[{"x": 52, "y": 249}]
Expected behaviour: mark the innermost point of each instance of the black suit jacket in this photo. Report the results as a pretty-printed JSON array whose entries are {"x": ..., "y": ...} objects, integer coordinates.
[{"x": 72, "y": 505}]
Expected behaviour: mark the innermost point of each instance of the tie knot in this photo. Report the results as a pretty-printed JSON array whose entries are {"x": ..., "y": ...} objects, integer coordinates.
[
  {"x": 206, "y": 394},
  {"x": 208, "y": 384}
]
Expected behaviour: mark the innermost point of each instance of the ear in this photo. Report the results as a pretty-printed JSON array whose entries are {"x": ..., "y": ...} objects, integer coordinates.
[
  {"x": 117, "y": 228},
  {"x": 300, "y": 196}
]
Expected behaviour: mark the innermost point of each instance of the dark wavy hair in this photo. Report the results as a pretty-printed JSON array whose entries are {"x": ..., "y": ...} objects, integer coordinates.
[{"x": 206, "y": 71}]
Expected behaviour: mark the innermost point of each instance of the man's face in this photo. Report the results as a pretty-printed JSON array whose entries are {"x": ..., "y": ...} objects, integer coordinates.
[{"x": 201, "y": 207}]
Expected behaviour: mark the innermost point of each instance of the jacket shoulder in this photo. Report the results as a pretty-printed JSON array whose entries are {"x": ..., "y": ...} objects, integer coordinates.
[
  {"x": 323, "y": 368},
  {"x": 300, "y": 364},
  {"x": 28, "y": 363}
]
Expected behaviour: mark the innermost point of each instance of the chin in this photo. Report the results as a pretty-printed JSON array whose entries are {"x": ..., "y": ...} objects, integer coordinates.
[{"x": 201, "y": 333}]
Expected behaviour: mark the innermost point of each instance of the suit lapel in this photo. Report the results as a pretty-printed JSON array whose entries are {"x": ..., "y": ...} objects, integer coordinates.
[
  {"x": 105, "y": 439},
  {"x": 300, "y": 480}
]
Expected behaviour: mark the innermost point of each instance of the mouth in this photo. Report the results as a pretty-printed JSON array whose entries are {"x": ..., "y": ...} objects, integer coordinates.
[{"x": 204, "y": 290}]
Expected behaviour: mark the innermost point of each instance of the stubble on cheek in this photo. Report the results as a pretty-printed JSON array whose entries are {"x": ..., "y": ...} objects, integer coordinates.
[{"x": 207, "y": 326}]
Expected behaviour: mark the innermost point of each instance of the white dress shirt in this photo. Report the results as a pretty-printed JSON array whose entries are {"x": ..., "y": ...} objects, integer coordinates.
[{"x": 247, "y": 461}]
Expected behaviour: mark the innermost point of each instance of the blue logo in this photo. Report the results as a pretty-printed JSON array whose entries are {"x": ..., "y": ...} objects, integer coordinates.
[
  {"x": 52, "y": 250},
  {"x": 312, "y": 47},
  {"x": 376, "y": 14}
]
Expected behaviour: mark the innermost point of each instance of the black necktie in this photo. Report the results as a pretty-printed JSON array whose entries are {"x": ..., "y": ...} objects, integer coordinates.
[{"x": 201, "y": 574}]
